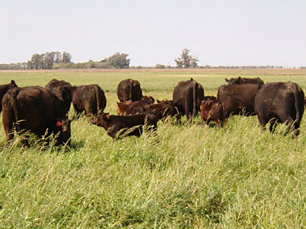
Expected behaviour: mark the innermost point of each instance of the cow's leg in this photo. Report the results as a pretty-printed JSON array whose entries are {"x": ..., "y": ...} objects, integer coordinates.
[
  {"x": 178, "y": 118},
  {"x": 273, "y": 123},
  {"x": 219, "y": 122},
  {"x": 8, "y": 119},
  {"x": 262, "y": 122},
  {"x": 9, "y": 134},
  {"x": 188, "y": 107},
  {"x": 25, "y": 143},
  {"x": 286, "y": 118},
  {"x": 291, "y": 123}
]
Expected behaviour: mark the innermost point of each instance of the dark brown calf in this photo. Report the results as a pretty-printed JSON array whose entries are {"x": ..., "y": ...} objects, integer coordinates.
[
  {"x": 136, "y": 107},
  {"x": 164, "y": 109},
  {"x": 212, "y": 110},
  {"x": 117, "y": 125}
]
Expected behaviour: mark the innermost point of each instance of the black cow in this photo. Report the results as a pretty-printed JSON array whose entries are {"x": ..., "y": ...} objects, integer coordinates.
[
  {"x": 239, "y": 80},
  {"x": 4, "y": 88},
  {"x": 238, "y": 98},
  {"x": 88, "y": 98},
  {"x": 37, "y": 110},
  {"x": 62, "y": 89},
  {"x": 129, "y": 89},
  {"x": 188, "y": 95},
  {"x": 117, "y": 125},
  {"x": 280, "y": 102}
]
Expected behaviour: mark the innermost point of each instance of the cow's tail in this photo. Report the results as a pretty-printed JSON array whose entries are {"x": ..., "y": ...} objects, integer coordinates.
[
  {"x": 98, "y": 96},
  {"x": 14, "y": 106},
  {"x": 298, "y": 114},
  {"x": 130, "y": 89},
  {"x": 194, "y": 98}
]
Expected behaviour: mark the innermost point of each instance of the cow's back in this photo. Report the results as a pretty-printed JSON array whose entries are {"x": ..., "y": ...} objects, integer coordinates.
[
  {"x": 129, "y": 89},
  {"x": 237, "y": 98},
  {"x": 88, "y": 98},
  {"x": 188, "y": 95},
  {"x": 4, "y": 88},
  {"x": 280, "y": 97},
  {"x": 35, "y": 105},
  {"x": 62, "y": 89}
]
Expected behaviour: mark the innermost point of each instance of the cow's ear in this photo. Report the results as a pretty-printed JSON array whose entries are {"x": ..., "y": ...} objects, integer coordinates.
[
  {"x": 13, "y": 83},
  {"x": 106, "y": 115},
  {"x": 226, "y": 80}
]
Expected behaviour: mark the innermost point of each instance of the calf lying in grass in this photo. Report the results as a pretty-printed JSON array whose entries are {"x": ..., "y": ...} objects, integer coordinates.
[{"x": 120, "y": 126}]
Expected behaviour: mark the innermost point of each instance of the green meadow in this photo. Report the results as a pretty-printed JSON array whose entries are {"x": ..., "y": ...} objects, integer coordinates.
[{"x": 184, "y": 176}]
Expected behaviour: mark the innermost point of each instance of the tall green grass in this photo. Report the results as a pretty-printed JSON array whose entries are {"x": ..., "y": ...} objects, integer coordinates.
[{"x": 184, "y": 176}]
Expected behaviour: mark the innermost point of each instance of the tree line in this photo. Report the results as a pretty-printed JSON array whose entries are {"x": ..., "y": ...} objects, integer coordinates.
[{"x": 58, "y": 60}]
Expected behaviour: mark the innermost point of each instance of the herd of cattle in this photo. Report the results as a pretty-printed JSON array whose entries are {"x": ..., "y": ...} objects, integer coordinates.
[{"x": 44, "y": 111}]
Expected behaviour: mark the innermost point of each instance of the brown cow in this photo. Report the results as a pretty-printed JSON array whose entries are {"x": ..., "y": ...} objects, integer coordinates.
[
  {"x": 37, "y": 110},
  {"x": 239, "y": 80},
  {"x": 188, "y": 95},
  {"x": 164, "y": 109},
  {"x": 88, "y": 98},
  {"x": 280, "y": 102},
  {"x": 212, "y": 110},
  {"x": 129, "y": 89},
  {"x": 117, "y": 125},
  {"x": 4, "y": 88},
  {"x": 62, "y": 89},
  {"x": 238, "y": 98},
  {"x": 131, "y": 108}
]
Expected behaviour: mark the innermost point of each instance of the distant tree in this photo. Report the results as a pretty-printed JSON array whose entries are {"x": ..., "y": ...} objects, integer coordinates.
[
  {"x": 119, "y": 60},
  {"x": 194, "y": 62},
  {"x": 41, "y": 61},
  {"x": 66, "y": 57},
  {"x": 49, "y": 60},
  {"x": 58, "y": 57},
  {"x": 186, "y": 60},
  {"x": 160, "y": 66},
  {"x": 35, "y": 61}
]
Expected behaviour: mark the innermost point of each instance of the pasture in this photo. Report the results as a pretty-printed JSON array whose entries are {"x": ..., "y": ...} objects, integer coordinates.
[{"x": 185, "y": 176}]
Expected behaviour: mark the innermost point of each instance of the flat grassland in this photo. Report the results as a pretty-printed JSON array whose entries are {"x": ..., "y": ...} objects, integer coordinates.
[{"x": 185, "y": 176}]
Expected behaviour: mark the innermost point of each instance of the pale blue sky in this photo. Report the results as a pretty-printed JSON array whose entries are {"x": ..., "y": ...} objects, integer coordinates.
[{"x": 228, "y": 32}]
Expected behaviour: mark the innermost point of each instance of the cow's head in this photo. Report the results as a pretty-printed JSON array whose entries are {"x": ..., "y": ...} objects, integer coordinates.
[
  {"x": 148, "y": 99},
  {"x": 12, "y": 84},
  {"x": 101, "y": 120},
  {"x": 64, "y": 129},
  {"x": 206, "y": 105},
  {"x": 233, "y": 81},
  {"x": 121, "y": 107}
]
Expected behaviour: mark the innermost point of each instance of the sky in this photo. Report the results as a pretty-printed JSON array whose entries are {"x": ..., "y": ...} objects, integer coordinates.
[{"x": 219, "y": 32}]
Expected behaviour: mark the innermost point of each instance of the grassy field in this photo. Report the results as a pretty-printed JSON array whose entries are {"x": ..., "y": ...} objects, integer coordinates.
[{"x": 185, "y": 176}]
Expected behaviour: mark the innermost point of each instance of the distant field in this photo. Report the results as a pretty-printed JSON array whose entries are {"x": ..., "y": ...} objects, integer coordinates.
[{"x": 186, "y": 176}]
